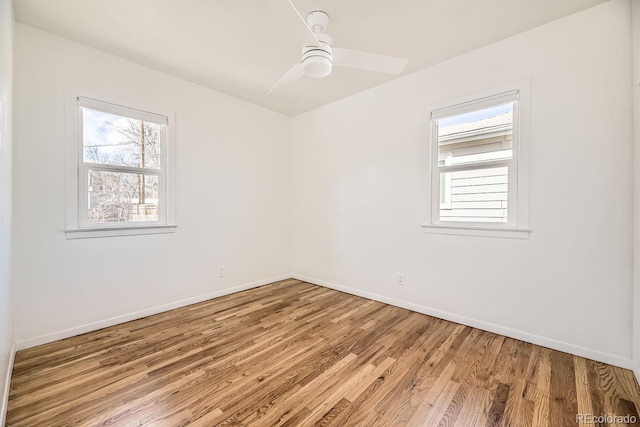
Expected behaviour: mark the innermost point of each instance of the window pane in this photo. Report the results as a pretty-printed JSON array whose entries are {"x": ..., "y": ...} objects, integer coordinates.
[
  {"x": 116, "y": 197},
  {"x": 116, "y": 140},
  {"x": 478, "y": 195},
  {"x": 477, "y": 136}
]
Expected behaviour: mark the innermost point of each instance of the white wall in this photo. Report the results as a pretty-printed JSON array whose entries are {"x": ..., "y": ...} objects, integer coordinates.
[
  {"x": 6, "y": 298},
  {"x": 233, "y": 180},
  {"x": 635, "y": 16},
  {"x": 359, "y": 192}
]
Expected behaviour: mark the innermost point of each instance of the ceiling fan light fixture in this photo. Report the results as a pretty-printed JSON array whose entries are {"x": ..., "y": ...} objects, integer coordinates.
[
  {"x": 317, "y": 60},
  {"x": 317, "y": 66},
  {"x": 319, "y": 56}
]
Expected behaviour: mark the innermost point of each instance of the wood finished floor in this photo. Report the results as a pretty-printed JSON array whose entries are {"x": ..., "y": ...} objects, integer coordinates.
[{"x": 295, "y": 354}]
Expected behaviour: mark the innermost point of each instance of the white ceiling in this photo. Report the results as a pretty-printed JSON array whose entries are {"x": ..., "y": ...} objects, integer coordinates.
[{"x": 242, "y": 47}]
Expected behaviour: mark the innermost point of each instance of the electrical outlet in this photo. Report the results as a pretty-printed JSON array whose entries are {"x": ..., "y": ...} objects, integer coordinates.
[
  {"x": 221, "y": 271},
  {"x": 400, "y": 279}
]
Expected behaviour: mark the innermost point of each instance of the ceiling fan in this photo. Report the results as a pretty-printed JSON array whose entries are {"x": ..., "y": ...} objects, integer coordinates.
[{"x": 319, "y": 57}]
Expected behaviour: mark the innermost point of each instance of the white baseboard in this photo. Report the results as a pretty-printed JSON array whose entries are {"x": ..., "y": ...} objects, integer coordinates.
[
  {"x": 597, "y": 355},
  {"x": 94, "y": 326},
  {"x": 7, "y": 386},
  {"x": 551, "y": 343}
]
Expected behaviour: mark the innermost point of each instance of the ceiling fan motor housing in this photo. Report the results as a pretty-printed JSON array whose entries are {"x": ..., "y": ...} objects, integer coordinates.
[
  {"x": 318, "y": 21},
  {"x": 317, "y": 60}
]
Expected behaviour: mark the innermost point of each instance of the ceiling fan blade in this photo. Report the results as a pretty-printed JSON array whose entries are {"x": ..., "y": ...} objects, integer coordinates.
[
  {"x": 294, "y": 73},
  {"x": 290, "y": 10},
  {"x": 368, "y": 61}
]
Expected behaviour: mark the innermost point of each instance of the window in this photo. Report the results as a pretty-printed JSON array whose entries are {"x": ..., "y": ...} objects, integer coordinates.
[
  {"x": 478, "y": 178},
  {"x": 122, "y": 170}
]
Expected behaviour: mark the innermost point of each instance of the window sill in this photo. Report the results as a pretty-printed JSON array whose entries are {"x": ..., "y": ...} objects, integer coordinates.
[
  {"x": 91, "y": 233},
  {"x": 503, "y": 233}
]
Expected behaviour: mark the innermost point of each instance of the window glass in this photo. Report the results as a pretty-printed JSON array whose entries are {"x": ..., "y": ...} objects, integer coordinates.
[
  {"x": 117, "y": 197},
  {"x": 475, "y": 159},
  {"x": 116, "y": 140},
  {"x": 477, "y": 136},
  {"x": 121, "y": 166}
]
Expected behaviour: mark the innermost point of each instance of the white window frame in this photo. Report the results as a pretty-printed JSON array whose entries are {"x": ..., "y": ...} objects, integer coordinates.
[
  {"x": 77, "y": 171},
  {"x": 517, "y": 225},
  {"x": 447, "y": 184}
]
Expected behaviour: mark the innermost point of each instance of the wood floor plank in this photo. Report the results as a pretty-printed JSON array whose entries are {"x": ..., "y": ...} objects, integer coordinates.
[
  {"x": 475, "y": 409},
  {"x": 295, "y": 354},
  {"x": 613, "y": 394},
  {"x": 498, "y": 405},
  {"x": 563, "y": 389},
  {"x": 582, "y": 389},
  {"x": 543, "y": 390},
  {"x": 595, "y": 390}
]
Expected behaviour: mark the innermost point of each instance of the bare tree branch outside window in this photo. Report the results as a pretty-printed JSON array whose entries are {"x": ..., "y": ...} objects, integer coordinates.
[{"x": 121, "y": 141}]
